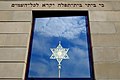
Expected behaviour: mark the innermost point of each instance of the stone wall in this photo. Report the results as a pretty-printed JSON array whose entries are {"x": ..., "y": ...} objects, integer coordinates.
[{"x": 15, "y": 28}]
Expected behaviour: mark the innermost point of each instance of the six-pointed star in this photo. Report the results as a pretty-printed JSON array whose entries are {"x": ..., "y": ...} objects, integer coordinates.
[{"x": 59, "y": 53}]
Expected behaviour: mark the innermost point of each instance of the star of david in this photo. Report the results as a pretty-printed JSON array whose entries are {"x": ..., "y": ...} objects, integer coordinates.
[{"x": 59, "y": 53}]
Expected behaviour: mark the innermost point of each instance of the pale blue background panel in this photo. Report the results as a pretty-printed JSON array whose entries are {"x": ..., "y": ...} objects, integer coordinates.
[{"x": 72, "y": 32}]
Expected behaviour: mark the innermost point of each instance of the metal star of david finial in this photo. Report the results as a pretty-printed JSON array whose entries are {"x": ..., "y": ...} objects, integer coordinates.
[{"x": 59, "y": 53}]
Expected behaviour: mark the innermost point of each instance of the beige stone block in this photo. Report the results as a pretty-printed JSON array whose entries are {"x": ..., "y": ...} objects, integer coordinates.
[
  {"x": 102, "y": 27},
  {"x": 101, "y": 71},
  {"x": 117, "y": 26},
  {"x": 13, "y": 39},
  {"x": 118, "y": 51},
  {"x": 15, "y": 27},
  {"x": 101, "y": 79},
  {"x": 12, "y": 70},
  {"x": 107, "y": 70},
  {"x": 11, "y": 79},
  {"x": 114, "y": 79},
  {"x": 107, "y": 79},
  {"x": 113, "y": 16},
  {"x": 105, "y": 40},
  {"x": 15, "y": 15},
  {"x": 104, "y": 54},
  {"x": 104, "y": 15},
  {"x": 116, "y": 5},
  {"x": 13, "y": 54},
  {"x": 97, "y": 15}
]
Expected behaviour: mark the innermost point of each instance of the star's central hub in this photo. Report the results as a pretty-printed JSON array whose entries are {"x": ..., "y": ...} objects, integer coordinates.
[{"x": 59, "y": 54}]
